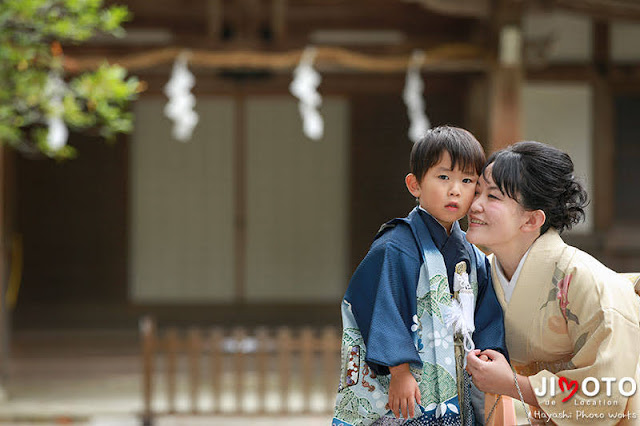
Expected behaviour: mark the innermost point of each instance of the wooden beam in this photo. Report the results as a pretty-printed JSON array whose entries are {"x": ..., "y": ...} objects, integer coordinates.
[
  {"x": 562, "y": 72},
  {"x": 475, "y": 8},
  {"x": 455, "y": 57},
  {"x": 603, "y": 9}
]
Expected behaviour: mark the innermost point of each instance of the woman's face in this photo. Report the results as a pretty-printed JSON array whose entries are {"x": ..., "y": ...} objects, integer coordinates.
[{"x": 494, "y": 218}]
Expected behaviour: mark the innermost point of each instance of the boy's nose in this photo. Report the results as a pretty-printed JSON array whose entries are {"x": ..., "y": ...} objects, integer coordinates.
[{"x": 454, "y": 190}]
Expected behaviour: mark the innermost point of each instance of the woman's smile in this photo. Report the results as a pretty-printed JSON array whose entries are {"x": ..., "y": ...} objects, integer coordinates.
[{"x": 475, "y": 222}]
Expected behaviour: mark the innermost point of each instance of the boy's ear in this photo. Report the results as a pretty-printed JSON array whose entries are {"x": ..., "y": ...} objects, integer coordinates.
[
  {"x": 412, "y": 184},
  {"x": 535, "y": 221}
]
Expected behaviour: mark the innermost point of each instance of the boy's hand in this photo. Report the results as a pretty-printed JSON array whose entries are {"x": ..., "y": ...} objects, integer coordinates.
[
  {"x": 494, "y": 375},
  {"x": 403, "y": 391}
]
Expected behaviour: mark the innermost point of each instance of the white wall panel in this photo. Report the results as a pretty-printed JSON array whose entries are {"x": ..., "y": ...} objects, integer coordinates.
[
  {"x": 571, "y": 34},
  {"x": 559, "y": 114},
  {"x": 625, "y": 41},
  {"x": 297, "y": 203},
  {"x": 181, "y": 247}
]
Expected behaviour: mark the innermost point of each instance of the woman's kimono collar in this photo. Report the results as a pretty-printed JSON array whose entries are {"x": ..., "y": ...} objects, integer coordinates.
[{"x": 547, "y": 246}]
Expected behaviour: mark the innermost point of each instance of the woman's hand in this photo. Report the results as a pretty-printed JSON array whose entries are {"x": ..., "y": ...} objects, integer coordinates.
[
  {"x": 403, "y": 391},
  {"x": 490, "y": 372}
]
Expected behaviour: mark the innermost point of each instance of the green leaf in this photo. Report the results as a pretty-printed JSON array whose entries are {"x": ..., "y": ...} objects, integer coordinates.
[
  {"x": 436, "y": 384},
  {"x": 95, "y": 100}
]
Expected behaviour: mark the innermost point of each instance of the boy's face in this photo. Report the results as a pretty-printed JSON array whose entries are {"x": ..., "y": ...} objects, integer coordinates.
[{"x": 446, "y": 194}]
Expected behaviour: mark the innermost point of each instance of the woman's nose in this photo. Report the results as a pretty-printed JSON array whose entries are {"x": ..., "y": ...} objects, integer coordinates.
[{"x": 476, "y": 205}]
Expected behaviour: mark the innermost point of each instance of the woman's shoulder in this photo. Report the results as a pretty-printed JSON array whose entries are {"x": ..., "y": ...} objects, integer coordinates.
[
  {"x": 590, "y": 269},
  {"x": 591, "y": 279}
]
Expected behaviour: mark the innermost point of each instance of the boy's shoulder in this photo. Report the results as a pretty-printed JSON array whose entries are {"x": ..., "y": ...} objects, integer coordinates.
[{"x": 396, "y": 233}]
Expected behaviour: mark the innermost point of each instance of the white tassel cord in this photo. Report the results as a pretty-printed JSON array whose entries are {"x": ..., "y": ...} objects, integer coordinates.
[{"x": 460, "y": 318}]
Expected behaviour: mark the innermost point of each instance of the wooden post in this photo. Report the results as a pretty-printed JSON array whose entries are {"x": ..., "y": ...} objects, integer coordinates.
[
  {"x": 4, "y": 308},
  {"x": 217, "y": 361},
  {"x": 278, "y": 19},
  {"x": 215, "y": 12},
  {"x": 505, "y": 121},
  {"x": 148, "y": 334},
  {"x": 331, "y": 353},
  {"x": 262, "y": 358},
  {"x": 195, "y": 354},
  {"x": 240, "y": 197},
  {"x": 284, "y": 366},
  {"x": 172, "y": 345},
  {"x": 603, "y": 131},
  {"x": 239, "y": 336},
  {"x": 307, "y": 350}
]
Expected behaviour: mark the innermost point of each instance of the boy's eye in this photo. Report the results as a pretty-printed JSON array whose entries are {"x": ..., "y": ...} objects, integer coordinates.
[
  {"x": 467, "y": 180},
  {"x": 443, "y": 177}
]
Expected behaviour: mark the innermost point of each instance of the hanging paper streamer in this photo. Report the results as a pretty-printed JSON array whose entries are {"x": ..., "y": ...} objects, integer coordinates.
[
  {"x": 58, "y": 133},
  {"x": 305, "y": 87},
  {"x": 180, "y": 108},
  {"x": 418, "y": 121}
]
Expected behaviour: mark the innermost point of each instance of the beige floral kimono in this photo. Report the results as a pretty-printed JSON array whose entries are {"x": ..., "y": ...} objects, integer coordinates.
[{"x": 573, "y": 327}]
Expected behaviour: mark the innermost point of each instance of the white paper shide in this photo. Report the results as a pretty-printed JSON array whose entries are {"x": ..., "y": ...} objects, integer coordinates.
[
  {"x": 180, "y": 108},
  {"x": 305, "y": 87}
]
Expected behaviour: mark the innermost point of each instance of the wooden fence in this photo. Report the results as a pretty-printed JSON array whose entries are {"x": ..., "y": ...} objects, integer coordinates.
[{"x": 235, "y": 372}]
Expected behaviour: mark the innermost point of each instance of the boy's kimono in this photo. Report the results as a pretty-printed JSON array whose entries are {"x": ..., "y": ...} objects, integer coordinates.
[
  {"x": 392, "y": 314},
  {"x": 571, "y": 317}
]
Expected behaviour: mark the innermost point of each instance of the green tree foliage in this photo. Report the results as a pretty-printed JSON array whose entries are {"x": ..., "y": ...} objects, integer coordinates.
[{"x": 31, "y": 32}]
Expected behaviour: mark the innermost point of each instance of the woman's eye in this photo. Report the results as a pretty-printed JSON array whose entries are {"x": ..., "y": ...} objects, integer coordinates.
[{"x": 494, "y": 197}]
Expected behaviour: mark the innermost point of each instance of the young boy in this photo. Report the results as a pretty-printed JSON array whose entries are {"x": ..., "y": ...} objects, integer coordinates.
[{"x": 400, "y": 354}]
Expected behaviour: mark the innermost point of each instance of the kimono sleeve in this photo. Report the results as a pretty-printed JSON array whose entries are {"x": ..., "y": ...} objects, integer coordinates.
[
  {"x": 488, "y": 317},
  {"x": 382, "y": 293},
  {"x": 601, "y": 314}
]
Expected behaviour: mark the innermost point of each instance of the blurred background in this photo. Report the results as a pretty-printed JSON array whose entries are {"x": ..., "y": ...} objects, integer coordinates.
[{"x": 250, "y": 222}]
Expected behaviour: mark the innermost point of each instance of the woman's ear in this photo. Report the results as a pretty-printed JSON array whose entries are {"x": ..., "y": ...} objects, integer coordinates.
[
  {"x": 412, "y": 185},
  {"x": 535, "y": 221}
]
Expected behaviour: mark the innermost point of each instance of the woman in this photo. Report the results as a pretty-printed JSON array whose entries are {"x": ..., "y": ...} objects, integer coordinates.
[{"x": 572, "y": 325}]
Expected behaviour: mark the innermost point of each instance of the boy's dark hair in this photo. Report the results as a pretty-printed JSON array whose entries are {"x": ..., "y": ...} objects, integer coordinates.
[
  {"x": 540, "y": 177},
  {"x": 463, "y": 148}
]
